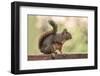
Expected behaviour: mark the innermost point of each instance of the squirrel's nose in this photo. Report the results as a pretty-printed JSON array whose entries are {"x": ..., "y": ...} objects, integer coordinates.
[{"x": 70, "y": 36}]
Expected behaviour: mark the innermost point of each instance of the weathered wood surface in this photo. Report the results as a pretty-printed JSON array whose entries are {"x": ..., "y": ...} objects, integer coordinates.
[{"x": 59, "y": 56}]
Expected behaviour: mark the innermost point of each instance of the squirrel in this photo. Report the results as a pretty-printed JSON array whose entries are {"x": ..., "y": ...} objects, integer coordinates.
[{"x": 52, "y": 41}]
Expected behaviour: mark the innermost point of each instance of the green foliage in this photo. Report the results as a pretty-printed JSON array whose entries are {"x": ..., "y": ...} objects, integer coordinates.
[{"x": 78, "y": 44}]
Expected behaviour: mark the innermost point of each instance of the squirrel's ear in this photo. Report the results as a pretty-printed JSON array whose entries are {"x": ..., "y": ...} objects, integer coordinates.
[{"x": 65, "y": 30}]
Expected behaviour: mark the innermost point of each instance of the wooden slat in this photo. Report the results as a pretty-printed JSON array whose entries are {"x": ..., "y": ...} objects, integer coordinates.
[{"x": 59, "y": 56}]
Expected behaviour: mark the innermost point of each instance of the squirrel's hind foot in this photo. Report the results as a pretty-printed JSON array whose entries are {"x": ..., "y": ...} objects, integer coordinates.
[{"x": 53, "y": 55}]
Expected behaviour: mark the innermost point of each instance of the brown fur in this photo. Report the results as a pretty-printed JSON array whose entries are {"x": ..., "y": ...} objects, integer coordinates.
[{"x": 43, "y": 36}]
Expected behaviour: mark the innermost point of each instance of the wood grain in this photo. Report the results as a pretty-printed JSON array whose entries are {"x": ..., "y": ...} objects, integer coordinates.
[{"x": 59, "y": 56}]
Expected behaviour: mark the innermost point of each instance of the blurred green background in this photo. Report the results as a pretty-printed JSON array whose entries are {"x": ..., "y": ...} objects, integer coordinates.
[{"x": 77, "y": 26}]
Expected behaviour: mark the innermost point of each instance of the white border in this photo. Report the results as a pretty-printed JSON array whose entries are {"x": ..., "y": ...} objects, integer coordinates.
[{"x": 26, "y": 65}]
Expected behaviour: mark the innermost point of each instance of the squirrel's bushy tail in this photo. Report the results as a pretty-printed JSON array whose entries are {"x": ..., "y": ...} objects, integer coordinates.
[
  {"x": 54, "y": 25},
  {"x": 45, "y": 35}
]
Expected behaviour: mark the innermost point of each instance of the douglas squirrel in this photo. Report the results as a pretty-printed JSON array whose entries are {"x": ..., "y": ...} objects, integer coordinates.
[{"x": 52, "y": 41}]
